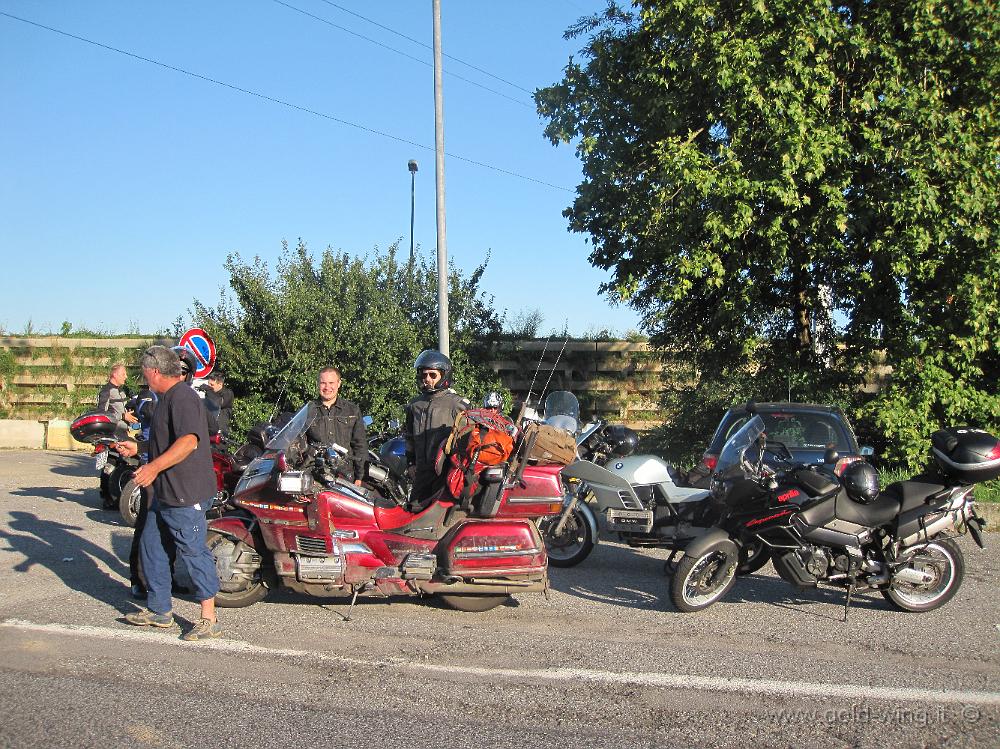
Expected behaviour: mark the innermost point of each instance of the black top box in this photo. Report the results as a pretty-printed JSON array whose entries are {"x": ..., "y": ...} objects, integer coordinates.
[
  {"x": 967, "y": 454},
  {"x": 94, "y": 426}
]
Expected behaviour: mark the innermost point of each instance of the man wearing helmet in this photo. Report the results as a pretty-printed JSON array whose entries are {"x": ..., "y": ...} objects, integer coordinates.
[{"x": 429, "y": 418}]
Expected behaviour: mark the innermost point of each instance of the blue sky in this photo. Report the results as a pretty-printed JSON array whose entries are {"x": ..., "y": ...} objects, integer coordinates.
[{"x": 124, "y": 185}]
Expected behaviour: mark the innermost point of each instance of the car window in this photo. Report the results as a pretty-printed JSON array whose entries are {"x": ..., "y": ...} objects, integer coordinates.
[{"x": 805, "y": 430}]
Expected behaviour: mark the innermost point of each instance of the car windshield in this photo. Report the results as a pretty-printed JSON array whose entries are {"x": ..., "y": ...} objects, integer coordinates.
[
  {"x": 734, "y": 450},
  {"x": 291, "y": 431}
]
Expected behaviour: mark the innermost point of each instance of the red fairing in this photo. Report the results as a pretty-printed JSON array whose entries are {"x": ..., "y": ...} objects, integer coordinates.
[
  {"x": 507, "y": 546},
  {"x": 223, "y": 466},
  {"x": 541, "y": 494}
]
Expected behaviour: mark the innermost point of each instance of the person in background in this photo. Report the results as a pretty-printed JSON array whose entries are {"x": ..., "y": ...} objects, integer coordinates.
[
  {"x": 114, "y": 395},
  {"x": 429, "y": 419},
  {"x": 333, "y": 419},
  {"x": 215, "y": 390},
  {"x": 180, "y": 472}
]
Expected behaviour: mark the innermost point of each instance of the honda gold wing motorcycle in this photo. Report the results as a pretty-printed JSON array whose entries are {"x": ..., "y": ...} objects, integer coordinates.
[
  {"x": 294, "y": 522},
  {"x": 841, "y": 532}
]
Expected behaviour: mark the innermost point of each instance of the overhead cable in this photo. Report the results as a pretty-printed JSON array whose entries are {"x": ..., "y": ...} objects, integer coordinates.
[
  {"x": 404, "y": 54},
  {"x": 282, "y": 102}
]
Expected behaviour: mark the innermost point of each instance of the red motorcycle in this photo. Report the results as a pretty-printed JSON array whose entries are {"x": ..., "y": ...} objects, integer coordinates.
[{"x": 294, "y": 522}]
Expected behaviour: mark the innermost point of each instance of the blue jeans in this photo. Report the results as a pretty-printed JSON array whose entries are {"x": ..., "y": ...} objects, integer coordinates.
[{"x": 187, "y": 527}]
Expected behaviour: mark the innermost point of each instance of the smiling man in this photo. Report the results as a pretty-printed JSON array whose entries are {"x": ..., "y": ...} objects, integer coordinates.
[{"x": 333, "y": 419}]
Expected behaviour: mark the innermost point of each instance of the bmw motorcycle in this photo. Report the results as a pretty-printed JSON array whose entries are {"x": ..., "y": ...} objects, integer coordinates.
[{"x": 844, "y": 533}]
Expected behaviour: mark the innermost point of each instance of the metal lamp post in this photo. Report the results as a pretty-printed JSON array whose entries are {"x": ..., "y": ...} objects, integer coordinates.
[{"x": 412, "y": 166}]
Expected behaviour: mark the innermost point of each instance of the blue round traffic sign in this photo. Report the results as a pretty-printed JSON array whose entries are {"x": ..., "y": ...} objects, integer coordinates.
[{"x": 198, "y": 343}]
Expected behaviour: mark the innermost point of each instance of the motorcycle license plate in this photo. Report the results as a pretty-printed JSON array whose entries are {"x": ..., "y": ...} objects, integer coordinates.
[
  {"x": 640, "y": 521},
  {"x": 101, "y": 460}
]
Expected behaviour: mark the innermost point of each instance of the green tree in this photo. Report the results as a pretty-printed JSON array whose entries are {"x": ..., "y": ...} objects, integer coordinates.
[
  {"x": 368, "y": 316},
  {"x": 784, "y": 188}
]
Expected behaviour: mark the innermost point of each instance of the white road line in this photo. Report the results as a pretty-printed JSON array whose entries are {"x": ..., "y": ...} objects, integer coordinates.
[{"x": 853, "y": 692}]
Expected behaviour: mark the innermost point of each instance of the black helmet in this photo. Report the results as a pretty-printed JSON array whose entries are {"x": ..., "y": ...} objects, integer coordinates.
[
  {"x": 622, "y": 440},
  {"x": 861, "y": 482},
  {"x": 433, "y": 359},
  {"x": 189, "y": 364}
]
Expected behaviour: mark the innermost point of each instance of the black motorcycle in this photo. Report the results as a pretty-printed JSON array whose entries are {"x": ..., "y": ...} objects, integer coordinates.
[
  {"x": 385, "y": 469},
  {"x": 840, "y": 531}
]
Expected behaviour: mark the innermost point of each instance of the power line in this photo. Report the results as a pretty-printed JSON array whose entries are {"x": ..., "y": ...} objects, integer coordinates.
[
  {"x": 404, "y": 54},
  {"x": 282, "y": 102},
  {"x": 428, "y": 46}
]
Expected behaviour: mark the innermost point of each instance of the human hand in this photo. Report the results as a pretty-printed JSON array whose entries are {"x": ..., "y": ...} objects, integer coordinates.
[
  {"x": 129, "y": 449},
  {"x": 144, "y": 475},
  {"x": 411, "y": 472}
]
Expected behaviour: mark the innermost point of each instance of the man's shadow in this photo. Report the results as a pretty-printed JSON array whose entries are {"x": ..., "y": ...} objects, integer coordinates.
[{"x": 73, "y": 559}]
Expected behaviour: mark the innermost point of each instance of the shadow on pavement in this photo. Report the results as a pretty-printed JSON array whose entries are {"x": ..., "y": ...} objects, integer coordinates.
[
  {"x": 73, "y": 559},
  {"x": 77, "y": 466}
]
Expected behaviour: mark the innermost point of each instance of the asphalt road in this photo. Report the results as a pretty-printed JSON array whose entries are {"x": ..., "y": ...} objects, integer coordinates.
[{"x": 605, "y": 661}]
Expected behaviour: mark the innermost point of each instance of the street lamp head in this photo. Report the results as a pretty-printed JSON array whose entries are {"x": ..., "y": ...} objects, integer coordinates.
[{"x": 411, "y": 165}]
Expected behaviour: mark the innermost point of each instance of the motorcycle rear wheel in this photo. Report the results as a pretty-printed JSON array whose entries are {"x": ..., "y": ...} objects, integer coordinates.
[
  {"x": 128, "y": 503},
  {"x": 943, "y": 560},
  {"x": 573, "y": 544},
  {"x": 239, "y": 593},
  {"x": 701, "y": 581},
  {"x": 472, "y": 602}
]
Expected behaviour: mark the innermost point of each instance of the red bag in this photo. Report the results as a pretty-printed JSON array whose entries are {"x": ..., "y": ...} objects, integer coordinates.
[{"x": 480, "y": 437}]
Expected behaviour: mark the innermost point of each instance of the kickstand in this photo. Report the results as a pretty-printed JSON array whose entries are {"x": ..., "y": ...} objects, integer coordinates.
[
  {"x": 354, "y": 599},
  {"x": 847, "y": 603}
]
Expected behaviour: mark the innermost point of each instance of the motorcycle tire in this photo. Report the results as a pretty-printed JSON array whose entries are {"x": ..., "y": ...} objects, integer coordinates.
[
  {"x": 129, "y": 502},
  {"x": 701, "y": 581},
  {"x": 239, "y": 594},
  {"x": 472, "y": 602},
  {"x": 753, "y": 558},
  {"x": 573, "y": 544},
  {"x": 947, "y": 564}
]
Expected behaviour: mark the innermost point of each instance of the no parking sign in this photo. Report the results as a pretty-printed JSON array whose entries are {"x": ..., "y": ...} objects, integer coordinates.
[{"x": 198, "y": 343}]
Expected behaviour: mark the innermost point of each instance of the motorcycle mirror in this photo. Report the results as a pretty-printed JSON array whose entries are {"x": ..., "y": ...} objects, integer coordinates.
[
  {"x": 394, "y": 424},
  {"x": 831, "y": 456},
  {"x": 368, "y": 421}
]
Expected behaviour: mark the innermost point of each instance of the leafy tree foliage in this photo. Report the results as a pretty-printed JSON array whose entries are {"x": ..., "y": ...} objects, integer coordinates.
[
  {"x": 368, "y": 316},
  {"x": 786, "y": 187}
]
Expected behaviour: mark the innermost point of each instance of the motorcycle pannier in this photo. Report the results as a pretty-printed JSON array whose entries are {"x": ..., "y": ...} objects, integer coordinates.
[
  {"x": 967, "y": 454},
  {"x": 551, "y": 445},
  {"x": 93, "y": 426}
]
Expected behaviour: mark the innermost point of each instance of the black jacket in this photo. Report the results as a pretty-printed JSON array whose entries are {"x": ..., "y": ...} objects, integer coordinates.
[
  {"x": 429, "y": 419},
  {"x": 340, "y": 423}
]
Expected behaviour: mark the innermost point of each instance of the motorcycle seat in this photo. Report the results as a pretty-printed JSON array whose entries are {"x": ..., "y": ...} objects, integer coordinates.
[
  {"x": 911, "y": 494},
  {"x": 871, "y": 515}
]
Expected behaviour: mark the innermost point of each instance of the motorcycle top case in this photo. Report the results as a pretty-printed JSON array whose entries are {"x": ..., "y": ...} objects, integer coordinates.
[
  {"x": 93, "y": 426},
  {"x": 967, "y": 454}
]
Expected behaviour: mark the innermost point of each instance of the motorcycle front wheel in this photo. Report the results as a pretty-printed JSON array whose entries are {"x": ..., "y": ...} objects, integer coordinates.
[
  {"x": 942, "y": 561},
  {"x": 572, "y": 544},
  {"x": 702, "y": 580},
  {"x": 472, "y": 602},
  {"x": 241, "y": 587}
]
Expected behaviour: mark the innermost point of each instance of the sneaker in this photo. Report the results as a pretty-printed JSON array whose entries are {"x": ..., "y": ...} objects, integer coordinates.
[
  {"x": 147, "y": 618},
  {"x": 204, "y": 630},
  {"x": 138, "y": 591}
]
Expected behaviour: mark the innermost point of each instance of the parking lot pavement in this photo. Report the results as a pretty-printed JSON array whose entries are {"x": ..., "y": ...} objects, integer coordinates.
[{"x": 604, "y": 657}]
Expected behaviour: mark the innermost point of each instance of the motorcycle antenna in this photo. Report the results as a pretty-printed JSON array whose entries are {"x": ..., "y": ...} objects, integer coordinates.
[
  {"x": 553, "y": 370},
  {"x": 538, "y": 366}
]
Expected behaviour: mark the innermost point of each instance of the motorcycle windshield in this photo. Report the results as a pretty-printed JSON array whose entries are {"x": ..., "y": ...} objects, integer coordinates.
[
  {"x": 562, "y": 410},
  {"x": 291, "y": 431},
  {"x": 733, "y": 454}
]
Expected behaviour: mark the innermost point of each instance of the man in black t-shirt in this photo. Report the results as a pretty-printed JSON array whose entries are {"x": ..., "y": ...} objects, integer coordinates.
[{"x": 180, "y": 472}]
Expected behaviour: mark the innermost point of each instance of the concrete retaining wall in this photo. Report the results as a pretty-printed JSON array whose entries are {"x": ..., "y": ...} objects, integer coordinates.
[{"x": 17, "y": 433}]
